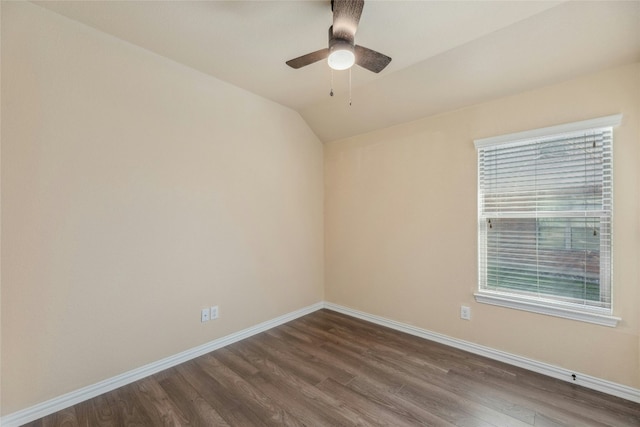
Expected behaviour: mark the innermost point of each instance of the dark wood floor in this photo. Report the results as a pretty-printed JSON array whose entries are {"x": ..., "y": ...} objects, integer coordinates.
[{"x": 330, "y": 369}]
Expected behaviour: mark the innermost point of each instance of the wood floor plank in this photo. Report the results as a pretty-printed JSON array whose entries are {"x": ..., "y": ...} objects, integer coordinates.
[
  {"x": 287, "y": 360},
  {"x": 306, "y": 412},
  {"x": 158, "y": 404},
  {"x": 546, "y": 403},
  {"x": 256, "y": 401},
  {"x": 64, "y": 418},
  {"x": 307, "y": 394},
  {"x": 228, "y": 406},
  {"x": 439, "y": 400},
  {"x": 389, "y": 399},
  {"x": 322, "y": 334},
  {"x": 330, "y": 369},
  {"x": 447, "y": 407},
  {"x": 502, "y": 413},
  {"x": 101, "y": 411},
  {"x": 192, "y": 405},
  {"x": 132, "y": 411},
  {"x": 239, "y": 364},
  {"x": 368, "y": 408}
]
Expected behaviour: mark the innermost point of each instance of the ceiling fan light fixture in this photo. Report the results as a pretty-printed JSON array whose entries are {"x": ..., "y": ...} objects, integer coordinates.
[
  {"x": 342, "y": 52},
  {"x": 341, "y": 57}
]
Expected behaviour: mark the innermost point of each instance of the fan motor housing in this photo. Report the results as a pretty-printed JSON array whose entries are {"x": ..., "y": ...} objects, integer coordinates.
[{"x": 340, "y": 43}]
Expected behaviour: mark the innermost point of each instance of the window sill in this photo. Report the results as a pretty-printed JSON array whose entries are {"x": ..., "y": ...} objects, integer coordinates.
[{"x": 597, "y": 317}]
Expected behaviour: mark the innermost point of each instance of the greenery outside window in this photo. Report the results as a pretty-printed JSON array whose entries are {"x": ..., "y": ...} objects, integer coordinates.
[{"x": 545, "y": 220}]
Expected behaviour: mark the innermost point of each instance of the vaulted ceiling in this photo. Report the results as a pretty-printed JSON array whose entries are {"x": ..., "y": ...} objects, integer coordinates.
[{"x": 446, "y": 54}]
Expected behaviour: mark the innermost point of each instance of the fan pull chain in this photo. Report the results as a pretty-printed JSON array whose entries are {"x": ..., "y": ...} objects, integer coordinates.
[
  {"x": 331, "y": 93},
  {"x": 349, "y": 87}
]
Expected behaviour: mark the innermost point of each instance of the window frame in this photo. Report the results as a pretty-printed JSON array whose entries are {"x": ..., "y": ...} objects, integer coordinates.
[{"x": 596, "y": 315}]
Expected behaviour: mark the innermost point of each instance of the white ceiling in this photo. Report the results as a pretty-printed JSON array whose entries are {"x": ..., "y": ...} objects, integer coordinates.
[{"x": 446, "y": 54}]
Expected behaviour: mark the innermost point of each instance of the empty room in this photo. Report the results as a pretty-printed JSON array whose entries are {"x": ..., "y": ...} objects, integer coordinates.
[{"x": 320, "y": 213}]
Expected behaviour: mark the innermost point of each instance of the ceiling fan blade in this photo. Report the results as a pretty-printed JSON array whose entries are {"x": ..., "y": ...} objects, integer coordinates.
[
  {"x": 346, "y": 15},
  {"x": 370, "y": 59},
  {"x": 309, "y": 58}
]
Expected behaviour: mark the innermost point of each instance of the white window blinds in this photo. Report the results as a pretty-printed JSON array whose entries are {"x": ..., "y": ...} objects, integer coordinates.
[{"x": 544, "y": 215}]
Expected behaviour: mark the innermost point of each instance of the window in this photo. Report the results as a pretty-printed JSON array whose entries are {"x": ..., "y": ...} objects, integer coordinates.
[{"x": 544, "y": 220}]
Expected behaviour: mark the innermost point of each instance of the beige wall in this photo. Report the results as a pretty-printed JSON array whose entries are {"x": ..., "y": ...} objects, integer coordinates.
[
  {"x": 136, "y": 191},
  {"x": 400, "y": 226}
]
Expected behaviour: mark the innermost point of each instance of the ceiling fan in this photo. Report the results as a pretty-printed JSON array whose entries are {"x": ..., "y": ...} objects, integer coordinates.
[{"x": 342, "y": 52}]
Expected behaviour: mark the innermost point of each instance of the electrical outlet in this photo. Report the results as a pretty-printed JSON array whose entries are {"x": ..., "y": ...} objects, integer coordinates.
[
  {"x": 214, "y": 312},
  {"x": 465, "y": 312},
  {"x": 204, "y": 315}
]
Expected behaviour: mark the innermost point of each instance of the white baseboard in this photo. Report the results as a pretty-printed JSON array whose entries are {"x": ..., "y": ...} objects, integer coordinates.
[
  {"x": 608, "y": 387},
  {"x": 66, "y": 400},
  {"x": 56, "y": 404}
]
